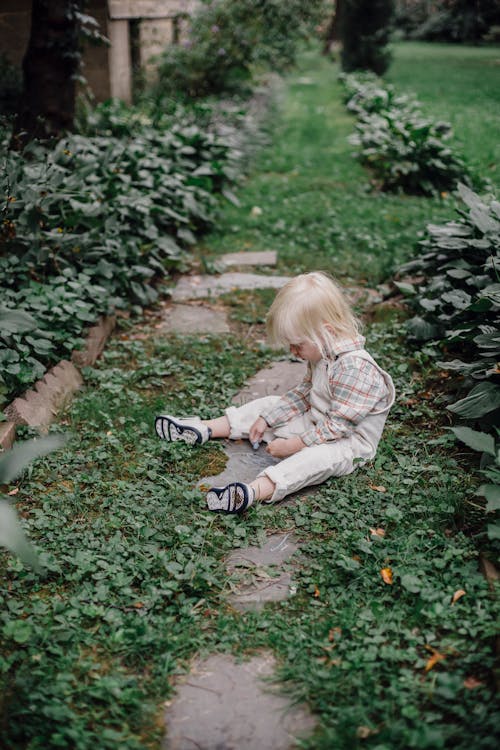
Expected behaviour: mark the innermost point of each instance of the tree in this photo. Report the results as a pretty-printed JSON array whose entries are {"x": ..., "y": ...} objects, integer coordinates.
[
  {"x": 50, "y": 70},
  {"x": 332, "y": 33},
  {"x": 364, "y": 30}
]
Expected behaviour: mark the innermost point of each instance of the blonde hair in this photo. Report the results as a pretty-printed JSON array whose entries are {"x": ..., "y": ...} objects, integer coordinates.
[{"x": 311, "y": 307}]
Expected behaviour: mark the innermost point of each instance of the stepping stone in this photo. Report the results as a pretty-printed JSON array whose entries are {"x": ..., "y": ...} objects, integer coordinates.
[
  {"x": 256, "y": 585},
  {"x": 223, "y": 705},
  {"x": 272, "y": 381},
  {"x": 243, "y": 462},
  {"x": 188, "y": 319},
  {"x": 196, "y": 287},
  {"x": 264, "y": 258}
]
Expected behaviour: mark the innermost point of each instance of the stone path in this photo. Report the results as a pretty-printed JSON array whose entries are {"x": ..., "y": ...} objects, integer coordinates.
[
  {"x": 195, "y": 287},
  {"x": 221, "y": 704}
]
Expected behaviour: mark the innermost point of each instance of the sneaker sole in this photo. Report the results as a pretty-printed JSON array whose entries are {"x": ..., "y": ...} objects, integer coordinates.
[
  {"x": 172, "y": 431},
  {"x": 224, "y": 499}
]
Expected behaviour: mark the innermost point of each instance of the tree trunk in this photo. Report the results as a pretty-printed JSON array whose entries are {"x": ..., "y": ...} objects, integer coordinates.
[
  {"x": 333, "y": 29},
  {"x": 50, "y": 67}
]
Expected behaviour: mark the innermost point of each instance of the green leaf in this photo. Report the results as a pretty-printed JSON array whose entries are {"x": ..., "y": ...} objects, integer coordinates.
[
  {"x": 19, "y": 631},
  {"x": 16, "y": 321},
  {"x": 12, "y": 536},
  {"x": 478, "y": 441},
  {"x": 421, "y": 329},
  {"x": 492, "y": 494},
  {"x": 482, "y": 399},
  {"x": 411, "y": 583},
  {"x": 494, "y": 531},
  {"x": 12, "y": 462}
]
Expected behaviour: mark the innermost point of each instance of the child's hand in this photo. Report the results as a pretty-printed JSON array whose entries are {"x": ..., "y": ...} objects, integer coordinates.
[
  {"x": 284, "y": 447},
  {"x": 257, "y": 430}
]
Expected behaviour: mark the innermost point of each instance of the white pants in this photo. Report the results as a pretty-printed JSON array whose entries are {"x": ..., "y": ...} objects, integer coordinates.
[{"x": 313, "y": 464}]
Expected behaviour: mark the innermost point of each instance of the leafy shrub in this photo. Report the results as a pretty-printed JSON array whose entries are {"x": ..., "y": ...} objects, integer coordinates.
[
  {"x": 90, "y": 224},
  {"x": 457, "y": 301},
  {"x": 458, "y": 21},
  {"x": 407, "y": 151},
  {"x": 366, "y": 93},
  {"x": 228, "y": 39},
  {"x": 404, "y": 150}
]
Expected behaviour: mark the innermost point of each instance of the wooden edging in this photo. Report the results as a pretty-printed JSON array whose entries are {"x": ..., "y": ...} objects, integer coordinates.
[{"x": 40, "y": 405}]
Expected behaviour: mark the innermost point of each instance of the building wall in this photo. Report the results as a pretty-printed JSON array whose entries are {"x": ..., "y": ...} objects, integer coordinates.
[{"x": 107, "y": 69}]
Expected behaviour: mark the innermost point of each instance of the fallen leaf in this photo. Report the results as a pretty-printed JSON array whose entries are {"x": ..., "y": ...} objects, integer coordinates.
[
  {"x": 457, "y": 595},
  {"x": 14, "y": 491},
  {"x": 386, "y": 574},
  {"x": 334, "y": 632},
  {"x": 377, "y": 532},
  {"x": 109, "y": 432},
  {"x": 434, "y": 659},
  {"x": 316, "y": 592},
  {"x": 470, "y": 683},
  {"x": 363, "y": 733},
  {"x": 377, "y": 487},
  {"x": 138, "y": 605}
]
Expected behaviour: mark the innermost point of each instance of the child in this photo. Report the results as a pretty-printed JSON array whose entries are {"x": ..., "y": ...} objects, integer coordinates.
[{"x": 334, "y": 417}]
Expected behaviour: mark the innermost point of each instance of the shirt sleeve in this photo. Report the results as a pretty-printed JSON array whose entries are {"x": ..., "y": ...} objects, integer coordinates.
[
  {"x": 291, "y": 404},
  {"x": 356, "y": 386}
]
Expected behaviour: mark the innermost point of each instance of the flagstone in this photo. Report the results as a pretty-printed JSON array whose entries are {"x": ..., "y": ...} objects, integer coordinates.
[
  {"x": 257, "y": 572},
  {"x": 189, "y": 319},
  {"x": 243, "y": 462},
  {"x": 262, "y": 258},
  {"x": 197, "y": 287},
  {"x": 225, "y": 705}
]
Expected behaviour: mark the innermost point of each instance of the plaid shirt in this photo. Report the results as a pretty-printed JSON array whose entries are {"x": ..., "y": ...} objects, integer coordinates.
[{"x": 355, "y": 388}]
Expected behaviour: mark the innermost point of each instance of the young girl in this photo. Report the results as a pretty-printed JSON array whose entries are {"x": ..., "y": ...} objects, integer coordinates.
[{"x": 321, "y": 428}]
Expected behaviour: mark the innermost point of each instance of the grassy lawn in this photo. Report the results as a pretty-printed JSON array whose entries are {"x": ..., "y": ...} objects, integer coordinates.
[
  {"x": 135, "y": 582},
  {"x": 461, "y": 85}
]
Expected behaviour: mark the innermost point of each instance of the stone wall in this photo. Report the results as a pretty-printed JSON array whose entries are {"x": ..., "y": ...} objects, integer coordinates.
[{"x": 107, "y": 69}]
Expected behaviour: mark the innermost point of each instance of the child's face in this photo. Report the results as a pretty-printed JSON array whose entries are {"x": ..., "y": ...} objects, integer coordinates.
[{"x": 306, "y": 350}]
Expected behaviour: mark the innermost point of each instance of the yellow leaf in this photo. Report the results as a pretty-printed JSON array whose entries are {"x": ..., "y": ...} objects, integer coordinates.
[
  {"x": 377, "y": 532},
  {"x": 457, "y": 595},
  {"x": 386, "y": 574},
  {"x": 316, "y": 592},
  {"x": 434, "y": 659},
  {"x": 377, "y": 487}
]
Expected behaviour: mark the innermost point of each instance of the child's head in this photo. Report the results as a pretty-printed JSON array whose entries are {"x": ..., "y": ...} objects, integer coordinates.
[{"x": 311, "y": 307}]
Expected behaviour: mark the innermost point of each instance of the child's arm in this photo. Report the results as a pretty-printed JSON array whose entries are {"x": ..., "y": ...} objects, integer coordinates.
[{"x": 291, "y": 404}]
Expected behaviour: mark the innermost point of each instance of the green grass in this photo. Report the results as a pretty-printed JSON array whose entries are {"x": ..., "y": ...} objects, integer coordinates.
[
  {"x": 459, "y": 84},
  {"x": 317, "y": 207},
  {"x": 135, "y": 583}
]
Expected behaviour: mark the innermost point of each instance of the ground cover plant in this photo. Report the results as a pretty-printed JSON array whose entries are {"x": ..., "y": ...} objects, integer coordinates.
[
  {"x": 88, "y": 226},
  {"x": 456, "y": 297},
  {"x": 390, "y": 635}
]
